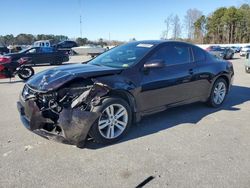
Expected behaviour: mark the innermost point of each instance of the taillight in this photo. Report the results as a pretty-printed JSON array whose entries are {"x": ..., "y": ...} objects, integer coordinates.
[{"x": 4, "y": 59}]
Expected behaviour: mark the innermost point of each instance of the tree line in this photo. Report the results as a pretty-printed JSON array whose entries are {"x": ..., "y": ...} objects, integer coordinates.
[
  {"x": 29, "y": 39},
  {"x": 224, "y": 25}
]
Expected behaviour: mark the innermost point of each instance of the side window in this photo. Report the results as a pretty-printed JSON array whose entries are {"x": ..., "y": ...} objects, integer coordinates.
[
  {"x": 67, "y": 45},
  {"x": 63, "y": 45},
  {"x": 71, "y": 44},
  {"x": 199, "y": 54},
  {"x": 172, "y": 54},
  {"x": 31, "y": 51}
]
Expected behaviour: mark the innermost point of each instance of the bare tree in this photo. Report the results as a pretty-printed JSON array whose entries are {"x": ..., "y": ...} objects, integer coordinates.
[
  {"x": 191, "y": 17},
  {"x": 176, "y": 27},
  {"x": 200, "y": 29},
  {"x": 167, "y": 22}
]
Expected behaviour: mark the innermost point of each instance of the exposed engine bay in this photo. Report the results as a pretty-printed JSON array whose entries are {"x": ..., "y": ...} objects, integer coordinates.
[{"x": 65, "y": 112}]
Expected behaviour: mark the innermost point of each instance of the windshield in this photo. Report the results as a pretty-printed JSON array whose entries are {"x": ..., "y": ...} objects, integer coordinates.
[
  {"x": 123, "y": 56},
  {"x": 24, "y": 50}
]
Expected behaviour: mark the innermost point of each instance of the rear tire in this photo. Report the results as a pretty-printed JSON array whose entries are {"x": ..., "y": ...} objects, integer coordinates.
[
  {"x": 114, "y": 121},
  {"x": 218, "y": 93},
  {"x": 247, "y": 69},
  {"x": 25, "y": 73}
]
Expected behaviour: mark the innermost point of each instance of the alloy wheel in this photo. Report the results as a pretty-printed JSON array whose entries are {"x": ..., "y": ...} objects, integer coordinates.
[
  {"x": 113, "y": 121},
  {"x": 219, "y": 93}
]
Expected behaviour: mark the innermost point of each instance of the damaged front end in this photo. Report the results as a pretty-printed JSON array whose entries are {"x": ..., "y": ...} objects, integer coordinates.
[{"x": 62, "y": 115}]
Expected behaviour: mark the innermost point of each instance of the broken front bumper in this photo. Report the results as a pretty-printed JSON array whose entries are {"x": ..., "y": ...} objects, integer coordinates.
[{"x": 72, "y": 126}]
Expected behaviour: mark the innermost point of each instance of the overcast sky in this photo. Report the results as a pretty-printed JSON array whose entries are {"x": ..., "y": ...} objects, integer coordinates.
[{"x": 119, "y": 19}]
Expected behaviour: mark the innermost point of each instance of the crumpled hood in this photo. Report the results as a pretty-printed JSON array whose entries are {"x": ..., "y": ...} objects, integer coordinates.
[{"x": 54, "y": 78}]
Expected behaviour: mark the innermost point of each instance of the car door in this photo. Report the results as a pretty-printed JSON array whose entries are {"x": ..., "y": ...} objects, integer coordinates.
[
  {"x": 32, "y": 53},
  {"x": 203, "y": 74},
  {"x": 41, "y": 56},
  {"x": 46, "y": 55},
  {"x": 171, "y": 83}
]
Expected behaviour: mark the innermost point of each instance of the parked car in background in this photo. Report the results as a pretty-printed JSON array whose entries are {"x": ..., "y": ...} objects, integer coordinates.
[
  {"x": 41, "y": 55},
  {"x": 103, "y": 97},
  {"x": 247, "y": 63},
  {"x": 211, "y": 48},
  {"x": 66, "y": 46},
  {"x": 91, "y": 50},
  {"x": 236, "y": 49},
  {"x": 245, "y": 50},
  {"x": 3, "y": 50},
  {"x": 223, "y": 53}
]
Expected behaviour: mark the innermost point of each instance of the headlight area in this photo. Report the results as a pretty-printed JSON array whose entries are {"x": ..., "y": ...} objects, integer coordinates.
[{"x": 64, "y": 115}]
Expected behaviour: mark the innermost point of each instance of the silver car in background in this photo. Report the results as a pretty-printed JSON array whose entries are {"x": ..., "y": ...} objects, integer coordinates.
[
  {"x": 245, "y": 50},
  {"x": 247, "y": 63}
]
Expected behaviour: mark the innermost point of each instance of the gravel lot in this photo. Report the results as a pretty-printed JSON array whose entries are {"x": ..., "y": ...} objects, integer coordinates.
[{"x": 190, "y": 146}]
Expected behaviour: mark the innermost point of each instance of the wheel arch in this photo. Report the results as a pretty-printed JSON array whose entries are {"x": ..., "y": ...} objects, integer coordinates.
[
  {"x": 129, "y": 98},
  {"x": 223, "y": 76},
  {"x": 125, "y": 95}
]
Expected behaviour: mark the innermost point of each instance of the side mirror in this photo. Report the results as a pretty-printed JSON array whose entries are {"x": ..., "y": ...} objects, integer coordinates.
[
  {"x": 158, "y": 63},
  {"x": 247, "y": 56}
]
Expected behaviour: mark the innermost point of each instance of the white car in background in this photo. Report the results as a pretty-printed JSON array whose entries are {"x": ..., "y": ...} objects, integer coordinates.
[
  {"x": 42, "y": 43},
  {"x": 245, "y": 50}
]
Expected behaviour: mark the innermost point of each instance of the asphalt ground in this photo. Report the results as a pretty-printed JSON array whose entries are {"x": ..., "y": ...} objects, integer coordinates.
[{"x": 188, "y": 146}]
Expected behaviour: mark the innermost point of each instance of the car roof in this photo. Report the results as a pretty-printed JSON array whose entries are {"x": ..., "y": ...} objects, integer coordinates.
[
  {"x": 157, "y": 42},
  {"x": 66, "y": 41}
]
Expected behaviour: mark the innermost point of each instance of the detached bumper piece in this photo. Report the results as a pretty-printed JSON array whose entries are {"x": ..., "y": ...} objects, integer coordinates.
[{"x": 72, "y": 127}]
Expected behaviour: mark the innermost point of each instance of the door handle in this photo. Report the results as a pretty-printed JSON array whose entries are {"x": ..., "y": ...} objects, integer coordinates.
[{"x": 191, "y": 71}]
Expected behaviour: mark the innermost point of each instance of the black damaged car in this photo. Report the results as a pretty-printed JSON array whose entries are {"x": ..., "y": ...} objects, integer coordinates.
[{"x": 101, "y": 99}]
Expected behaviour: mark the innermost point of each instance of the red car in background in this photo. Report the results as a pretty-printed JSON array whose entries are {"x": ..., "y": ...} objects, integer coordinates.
[{"x": 210, "y": 48}]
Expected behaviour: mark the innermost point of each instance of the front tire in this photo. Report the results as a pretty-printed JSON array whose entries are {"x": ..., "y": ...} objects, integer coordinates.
[
  {"x": 218, "y": 93},
  {"x": 114, "y": 121}
]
